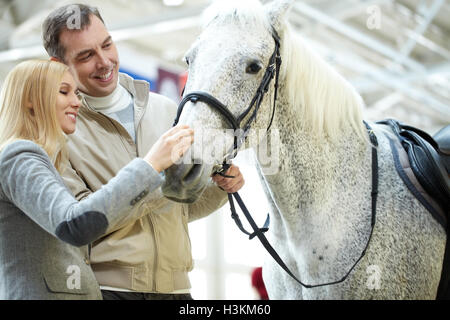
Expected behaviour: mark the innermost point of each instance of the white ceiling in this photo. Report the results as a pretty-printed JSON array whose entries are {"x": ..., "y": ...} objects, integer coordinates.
[{"x": 401, "y": 67}]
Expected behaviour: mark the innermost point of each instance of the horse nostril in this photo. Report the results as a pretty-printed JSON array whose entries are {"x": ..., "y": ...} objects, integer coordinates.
[{"x": 192, "y": 175}]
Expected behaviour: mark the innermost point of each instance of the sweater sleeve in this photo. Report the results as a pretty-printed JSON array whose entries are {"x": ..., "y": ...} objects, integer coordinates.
[
  {"x": 212, "y": 199},
  {"x": 30, "y": 181}
]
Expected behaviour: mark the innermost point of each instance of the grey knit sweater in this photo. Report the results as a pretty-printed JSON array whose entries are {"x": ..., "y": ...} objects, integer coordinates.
[{"x": 44, "y": 230}]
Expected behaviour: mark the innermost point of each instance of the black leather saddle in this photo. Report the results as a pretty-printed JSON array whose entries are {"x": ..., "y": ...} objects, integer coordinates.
[{"x": 429, "y": 159}]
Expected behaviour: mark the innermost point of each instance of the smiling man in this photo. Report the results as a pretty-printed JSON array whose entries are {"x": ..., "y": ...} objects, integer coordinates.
[{"x": 119, "y": 119}]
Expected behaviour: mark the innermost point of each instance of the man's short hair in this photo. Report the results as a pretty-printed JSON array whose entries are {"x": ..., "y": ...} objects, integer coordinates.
[{"x": 69, "y": 17}]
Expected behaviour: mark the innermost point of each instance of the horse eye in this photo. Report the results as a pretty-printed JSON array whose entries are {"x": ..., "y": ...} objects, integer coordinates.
[{"x": 253, "y": 68}]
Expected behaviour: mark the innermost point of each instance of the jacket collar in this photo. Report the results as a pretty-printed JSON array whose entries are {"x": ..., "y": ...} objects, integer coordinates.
[{"x": 139, "y": 89}]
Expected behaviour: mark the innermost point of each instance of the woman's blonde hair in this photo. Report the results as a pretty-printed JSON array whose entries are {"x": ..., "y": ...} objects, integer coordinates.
[{"x": 28, "y": 107}]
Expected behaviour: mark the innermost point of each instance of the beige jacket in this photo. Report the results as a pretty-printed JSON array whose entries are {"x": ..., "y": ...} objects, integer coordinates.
[{"x": 153, "y": 253}]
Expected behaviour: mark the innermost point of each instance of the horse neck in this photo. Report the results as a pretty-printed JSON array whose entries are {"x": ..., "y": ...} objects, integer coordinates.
[{"x": 311, "y": 168}]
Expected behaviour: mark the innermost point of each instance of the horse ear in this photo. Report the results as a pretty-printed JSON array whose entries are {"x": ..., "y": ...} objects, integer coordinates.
[{"x": 277, "y": 10}]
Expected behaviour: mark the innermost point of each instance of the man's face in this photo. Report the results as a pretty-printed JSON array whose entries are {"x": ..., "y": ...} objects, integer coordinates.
[{"x": 92, "y": 58}]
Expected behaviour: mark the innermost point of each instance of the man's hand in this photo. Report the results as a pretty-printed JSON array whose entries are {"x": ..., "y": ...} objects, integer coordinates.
[{"x": 230, "y": 185}]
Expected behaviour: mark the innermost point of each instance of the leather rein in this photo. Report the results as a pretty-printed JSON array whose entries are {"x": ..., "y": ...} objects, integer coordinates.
[{"x": 272, "y": 71}]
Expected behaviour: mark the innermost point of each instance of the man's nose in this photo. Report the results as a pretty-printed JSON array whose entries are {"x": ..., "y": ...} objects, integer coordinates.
[{"x": 103, "y": 61}]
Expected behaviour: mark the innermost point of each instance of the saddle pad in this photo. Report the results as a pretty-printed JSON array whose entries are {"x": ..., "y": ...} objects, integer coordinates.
[{"x": 404, "y": 170}]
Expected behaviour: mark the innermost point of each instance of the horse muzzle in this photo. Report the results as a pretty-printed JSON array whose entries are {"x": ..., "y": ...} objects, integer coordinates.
[{"x": 185, "y": 182}]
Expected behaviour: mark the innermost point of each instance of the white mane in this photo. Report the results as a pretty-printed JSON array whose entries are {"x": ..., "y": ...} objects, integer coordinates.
[{"x": 325, "y": 101}]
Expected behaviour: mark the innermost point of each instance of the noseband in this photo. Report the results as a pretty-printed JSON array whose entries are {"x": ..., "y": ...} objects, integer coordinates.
[{"x": 240, "y": 131}]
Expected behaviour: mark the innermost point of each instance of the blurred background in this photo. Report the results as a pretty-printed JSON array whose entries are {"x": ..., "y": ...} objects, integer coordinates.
[{"x": 395, "y": 52}]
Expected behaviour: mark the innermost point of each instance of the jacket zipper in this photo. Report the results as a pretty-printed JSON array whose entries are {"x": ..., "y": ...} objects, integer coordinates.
[{"x": 155, "y": 262}]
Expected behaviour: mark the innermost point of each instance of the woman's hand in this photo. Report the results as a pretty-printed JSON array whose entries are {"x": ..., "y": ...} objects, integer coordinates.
[{"x": 170, "y": 147}]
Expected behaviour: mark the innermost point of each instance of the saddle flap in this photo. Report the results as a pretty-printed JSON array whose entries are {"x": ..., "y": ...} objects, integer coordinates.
[
  {"x": 426, "y": 161},
  {"x": 425, "y": 164}
]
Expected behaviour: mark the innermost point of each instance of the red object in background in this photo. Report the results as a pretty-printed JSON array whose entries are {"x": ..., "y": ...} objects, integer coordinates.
[
  {"x": 182, "y": 79},
  {"x": 168, "y": 84},
  {"x": 258, "y": 283}
]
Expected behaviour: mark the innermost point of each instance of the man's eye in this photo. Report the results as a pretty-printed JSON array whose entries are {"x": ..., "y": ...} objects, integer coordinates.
[
  {"x": 107, "y": 45},
  {"x": 86, "y": 57}
]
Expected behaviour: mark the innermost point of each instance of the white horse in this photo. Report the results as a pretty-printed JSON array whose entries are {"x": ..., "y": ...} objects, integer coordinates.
[{"x": 320, "y": 194}]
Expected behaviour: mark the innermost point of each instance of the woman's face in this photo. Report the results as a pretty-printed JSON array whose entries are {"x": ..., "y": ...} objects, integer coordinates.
[{"x": 67, "y": 104}]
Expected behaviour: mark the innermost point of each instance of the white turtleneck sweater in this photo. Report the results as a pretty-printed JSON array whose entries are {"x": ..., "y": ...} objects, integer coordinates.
[{"x": 119, "y": 105}]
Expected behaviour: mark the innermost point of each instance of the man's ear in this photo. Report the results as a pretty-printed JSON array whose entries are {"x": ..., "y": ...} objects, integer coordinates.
[{"x": 55, "y": 59}]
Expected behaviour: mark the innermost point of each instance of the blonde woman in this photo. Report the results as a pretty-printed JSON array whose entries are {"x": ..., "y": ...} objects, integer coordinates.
[{"x": 43, "y": 229}]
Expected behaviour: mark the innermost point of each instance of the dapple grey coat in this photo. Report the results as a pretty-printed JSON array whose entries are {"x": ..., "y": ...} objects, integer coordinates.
[{"x": 44, "y": 230}]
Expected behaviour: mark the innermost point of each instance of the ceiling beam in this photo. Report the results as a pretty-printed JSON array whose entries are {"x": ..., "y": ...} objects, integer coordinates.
[
  {"x": 356, "y": 35},
  {"x": 420, "y": 30},
  {"x": 126, "y": 33},
  {"x": 366, "y": 85}
]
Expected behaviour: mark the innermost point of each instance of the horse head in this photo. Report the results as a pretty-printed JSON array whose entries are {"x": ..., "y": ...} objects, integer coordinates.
[{"x": 227, "y": 65}]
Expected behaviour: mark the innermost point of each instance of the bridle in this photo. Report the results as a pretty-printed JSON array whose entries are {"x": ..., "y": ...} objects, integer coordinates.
[
  {"x": 240, "y": 131},
  {"x": 272, "y": 71}
]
